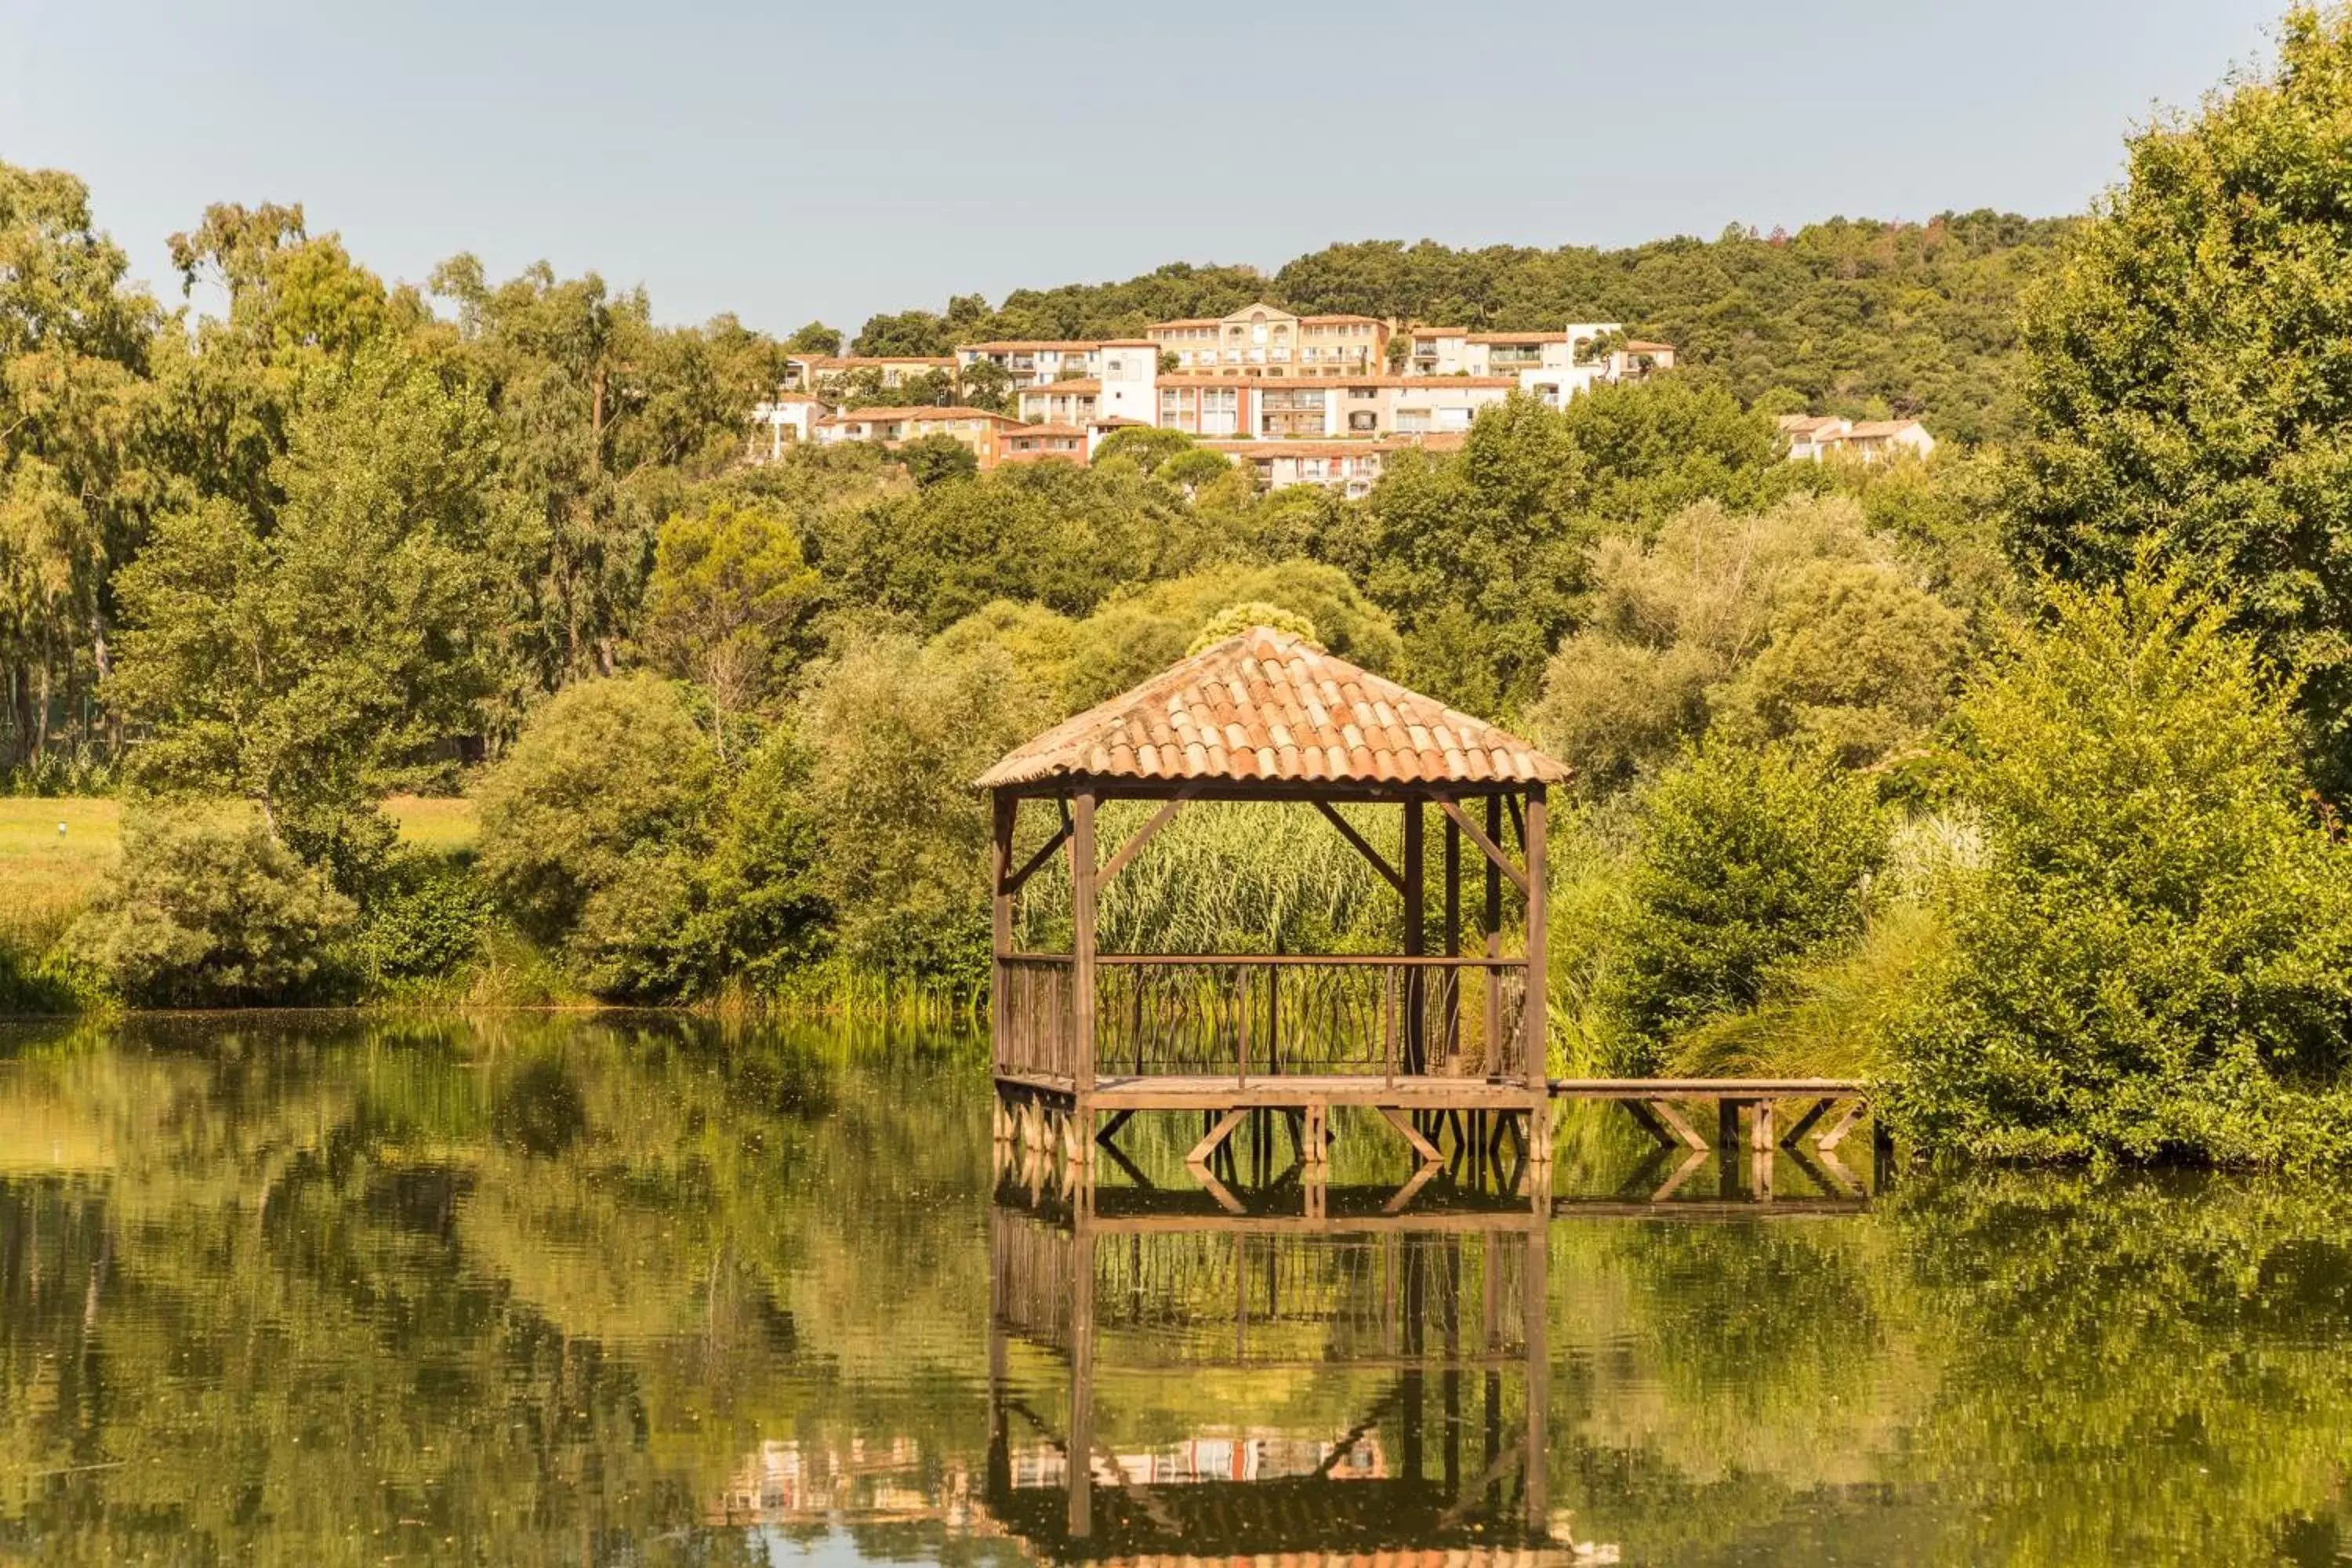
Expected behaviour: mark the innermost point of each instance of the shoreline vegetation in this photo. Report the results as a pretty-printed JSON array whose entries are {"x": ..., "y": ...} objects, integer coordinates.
[{"x": 2008, "y": 778}]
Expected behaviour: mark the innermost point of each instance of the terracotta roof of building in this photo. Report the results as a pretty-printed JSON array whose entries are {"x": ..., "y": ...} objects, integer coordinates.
[
  {"x": 853, "y": 362},
  {"x": 1129, "y": 343},
  {"x": 1438, "y": 333},
  {"x": 1638, "y": 346},
  {"x": 1268, "y": 706},
  {"x": 1519, "y": 337},
  {"x": 919, "y": 413},
  {"x": 1428, "y": 382},
  {"x": 1879, "y": 429},
  {"x": 1333, "y": 320},
  {"x": 1083, "y": 384},
  {"x": 1032, "y": 345},
  {"x": 1187, "y": 321},
  {"x": 1801, "y": 424}
]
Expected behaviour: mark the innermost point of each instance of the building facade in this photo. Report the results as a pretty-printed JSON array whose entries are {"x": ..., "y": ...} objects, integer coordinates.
[
  {"x": 1264, "y": 341},
  {"x": 982, "y": 431},
  {"x": 1031, "y": 362},
  {"x": 821, "y": 374},
  {"x": 1351, "y": 467},
  {"x": 1815, "y": 437}
]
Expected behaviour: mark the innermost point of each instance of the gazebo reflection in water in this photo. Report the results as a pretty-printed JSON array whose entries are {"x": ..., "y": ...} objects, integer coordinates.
[{"x": 1185, "y": 1333}]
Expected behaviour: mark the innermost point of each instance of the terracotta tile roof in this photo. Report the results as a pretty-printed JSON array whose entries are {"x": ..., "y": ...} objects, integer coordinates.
[
  {"x": 1491, "y": 338},
  {"x": 859, "y": 361},
  {"x": 1032, "y": 346},
  {"x": 1638, "y": 346},
  {"x": 1129, "y": 343},
  {"x": 1267, "y": 705},
  {"x": 1084, "y": 386},
  {"x": 916, "y": 414},
  {"x": 1879, "y": 429}
]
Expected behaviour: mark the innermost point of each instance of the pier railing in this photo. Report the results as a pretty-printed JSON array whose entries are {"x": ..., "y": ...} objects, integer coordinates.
[{"x": 1245, "y": 1016}]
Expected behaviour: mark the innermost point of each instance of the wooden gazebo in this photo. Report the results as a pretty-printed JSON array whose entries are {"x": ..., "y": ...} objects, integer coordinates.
[{"x": 1453, "y": 1037}]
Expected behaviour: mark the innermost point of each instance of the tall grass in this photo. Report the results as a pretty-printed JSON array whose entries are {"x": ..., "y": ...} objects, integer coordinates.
[
  {"x": 1231, "y": 877},
  {"x": 1828, "y": 1021}
]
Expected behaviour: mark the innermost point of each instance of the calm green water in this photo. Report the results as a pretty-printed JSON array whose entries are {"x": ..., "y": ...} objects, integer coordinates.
[{"x": 598, "y": 1292}]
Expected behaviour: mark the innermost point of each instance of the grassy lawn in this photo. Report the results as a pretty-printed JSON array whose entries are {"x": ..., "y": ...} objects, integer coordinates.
[{"x": 52, "y": 851}]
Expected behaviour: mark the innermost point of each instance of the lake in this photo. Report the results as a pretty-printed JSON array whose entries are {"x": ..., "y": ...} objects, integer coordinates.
[{"x": 648, "y": 1290}]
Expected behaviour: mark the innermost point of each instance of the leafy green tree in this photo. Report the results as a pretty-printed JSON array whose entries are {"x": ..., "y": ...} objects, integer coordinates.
[
  {"x": 207, "y": 909},
  {"x": 937, "y": 458},
  {"x": 1137, "y": 634},
  {"x": 727, "y": 605},
  {"x": 75, "y": 479},
  {"x": 984, "y": 384},
  {"x": 909, "y": 333},
  {"x": 2153, "y": 963},
  {"x": 1145, "y": 446},
  {"x": 596, "y": 812},
  {"x": 313, "y": 664},
  {"x": 896, "y": 731},
  {"x": 1749, "y": 860},
  {"x": 1797, "y": 621},
  {"x": 1861, "y": 663},
  {"x": 1480, "y": 555},
  {"x": 816, "y": 337},
  {"x": 2187, "y": 383}
]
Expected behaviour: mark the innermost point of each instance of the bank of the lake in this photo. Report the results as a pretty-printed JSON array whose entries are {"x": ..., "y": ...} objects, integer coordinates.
[{"x": 650, "y": 1288}]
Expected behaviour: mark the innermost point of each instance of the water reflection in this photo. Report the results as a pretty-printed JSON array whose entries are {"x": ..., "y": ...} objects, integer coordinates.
[{"x": 651, "y": 1290}]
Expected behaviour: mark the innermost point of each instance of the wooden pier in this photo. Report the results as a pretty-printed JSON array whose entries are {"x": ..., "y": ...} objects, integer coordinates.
[{"x": 1443, "y": 1039}]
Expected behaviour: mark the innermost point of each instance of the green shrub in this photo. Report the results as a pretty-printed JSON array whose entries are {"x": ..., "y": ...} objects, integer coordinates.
[
  {"x": 426, "y": 915},
  {"x": 209, "y": 911},
  {"x": 1749, "y": 860},
  {"x": 2155, "y": 958},
  {"x": 605, "y": 767}
]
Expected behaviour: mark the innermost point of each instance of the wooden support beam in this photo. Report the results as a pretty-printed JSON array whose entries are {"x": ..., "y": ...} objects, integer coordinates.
[
  {"x": 1665, "y": 1113},
  {"x": 1144, "y": 836},
  {"x": 1804, "y": 1124},
  {"x": 1214, "y": 1138},
  {"x": 1828, "y": 1141},
  {"x": 1536, "y": 1011},
  {"x": 1683, "y": 1173},
  {"x": 1423, "y": 1150},
  {"x": 1388, "y": 873},
  {"x": 1008, "y": 886},
  {"x": 1084, "y": 877},
  {"x": 1650, "y": 1124},
  {"x": 1416, "y": 1044},
  {"x": 1486, "y": 847}
]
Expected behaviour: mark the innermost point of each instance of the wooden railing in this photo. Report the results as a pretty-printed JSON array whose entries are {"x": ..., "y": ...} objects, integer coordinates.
[
  {"x": 1257, "y": 1017},
  {"x": 1035, "y": 1010}
]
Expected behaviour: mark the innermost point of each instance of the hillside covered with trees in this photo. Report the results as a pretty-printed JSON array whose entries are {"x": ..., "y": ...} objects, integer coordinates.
[{"x": 1851, "y": 316}]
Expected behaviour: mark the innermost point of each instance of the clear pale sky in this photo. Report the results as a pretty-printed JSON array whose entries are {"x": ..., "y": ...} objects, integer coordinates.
[{"x": 786, "y": 160}]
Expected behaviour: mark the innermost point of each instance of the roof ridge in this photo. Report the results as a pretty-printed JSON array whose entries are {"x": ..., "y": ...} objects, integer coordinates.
[{"x": 1269, "y": 705}]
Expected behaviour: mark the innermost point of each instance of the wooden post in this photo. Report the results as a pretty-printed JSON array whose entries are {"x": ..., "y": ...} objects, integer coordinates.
[
  {"x": 1416, "y": 1044},
  {"x": 1535, "y": 1286},
  {"x": 1492, "y": 1043},
  {"x": 1453, "y": 1041},
  {"x": 1082, "y": 1383},
  {"x": 1007, "y": 809},
  {"x": 1536, "y": 1008},
  {"x": 1083, "y": 874}
]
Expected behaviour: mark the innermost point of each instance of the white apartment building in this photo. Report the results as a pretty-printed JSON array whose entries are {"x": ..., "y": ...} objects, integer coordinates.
[
  {"x": 1351, "y": 467},
  {"x": 828, "y": 372},
  {"x": 1551, "y": 365},
  {"x": 1815, "y": 437},
  {"x": 1266, "y": 340},
  {"x": 784, "y": 420},
  {"x": 976, "y": 429},
  {"x": 1030, "y": 363}
]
